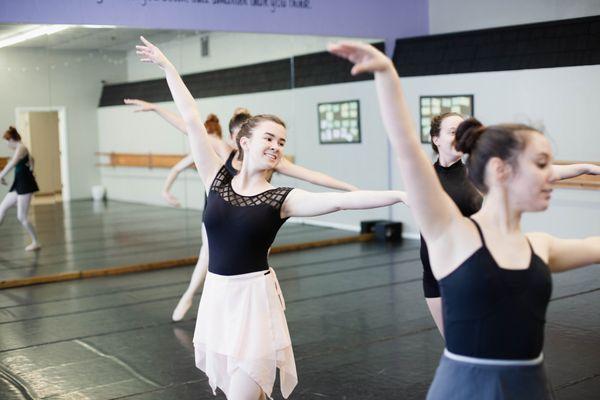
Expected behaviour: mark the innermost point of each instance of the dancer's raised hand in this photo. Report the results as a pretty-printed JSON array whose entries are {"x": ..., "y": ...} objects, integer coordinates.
[
  {"x": 365, "y": 57},
  {"x": 149, "y": 53}
]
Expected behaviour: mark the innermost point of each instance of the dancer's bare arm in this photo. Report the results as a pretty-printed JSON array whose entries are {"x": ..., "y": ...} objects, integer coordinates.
[
  {"x": 172, "y": 118},
  {"x": 300, "y": 203},
  {"x": 286, "y": 167},
  {"x": 181, "y": 165},
  {"x": 220, "y": 147},
  {"x": 566, "y": 254},
  {"x": 206, "y": 160},
  {"x": 574, "y": 170}
]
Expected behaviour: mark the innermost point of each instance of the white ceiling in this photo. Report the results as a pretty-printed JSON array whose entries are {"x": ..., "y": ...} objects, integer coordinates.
[{"x": 84, "y": 38}]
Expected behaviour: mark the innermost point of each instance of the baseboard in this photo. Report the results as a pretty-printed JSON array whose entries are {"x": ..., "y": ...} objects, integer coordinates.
[
  {"x": 334, "y": 225},
  {"x": 345, "y": 227}
]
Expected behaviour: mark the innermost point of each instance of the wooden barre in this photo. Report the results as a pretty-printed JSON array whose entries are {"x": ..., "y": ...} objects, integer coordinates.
[
  {"x": 589, "y": 182},
  {"x": 148, "y": 160}
]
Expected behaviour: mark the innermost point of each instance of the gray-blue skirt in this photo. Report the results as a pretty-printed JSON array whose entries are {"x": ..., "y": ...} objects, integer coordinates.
[{"x": 459, "y": 380}]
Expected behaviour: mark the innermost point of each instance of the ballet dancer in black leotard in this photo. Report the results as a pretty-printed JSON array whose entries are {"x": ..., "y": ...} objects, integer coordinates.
[
  {"x": 452, "y": 174},
  {"x": 23, "y": 187},
  {"x": 228, "y": 153},
  {"x": 241, "y": 335},
  {"x": 494, "y": 279}
]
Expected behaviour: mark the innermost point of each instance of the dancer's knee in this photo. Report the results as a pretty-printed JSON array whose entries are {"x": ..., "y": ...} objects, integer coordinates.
[{"x": 22, "y": 217}]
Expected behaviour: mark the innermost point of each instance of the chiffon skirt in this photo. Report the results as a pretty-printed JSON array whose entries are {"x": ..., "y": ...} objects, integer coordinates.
[{"x": 241, "y": 324}]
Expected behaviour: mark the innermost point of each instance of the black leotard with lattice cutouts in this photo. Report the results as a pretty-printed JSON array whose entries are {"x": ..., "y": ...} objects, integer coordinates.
[{"x": 241, "y": 228}]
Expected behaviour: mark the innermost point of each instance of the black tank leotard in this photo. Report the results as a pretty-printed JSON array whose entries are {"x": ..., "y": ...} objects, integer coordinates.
[
  {"x": 241, "y": 228},
  {"x": 456, "y": 183},
  {"x": 24, "y": 182},
  {"x": 493, "y": 312}
]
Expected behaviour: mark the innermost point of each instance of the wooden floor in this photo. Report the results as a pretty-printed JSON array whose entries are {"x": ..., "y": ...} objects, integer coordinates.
[
  {"x": 356, "y": 314},
  {"x": 83, "y": 235}
]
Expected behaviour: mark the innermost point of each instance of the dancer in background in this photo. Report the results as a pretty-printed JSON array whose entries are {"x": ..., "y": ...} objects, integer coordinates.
[
  {"x": 23, "y": 187},
  {"x": 495, "y": 280}
]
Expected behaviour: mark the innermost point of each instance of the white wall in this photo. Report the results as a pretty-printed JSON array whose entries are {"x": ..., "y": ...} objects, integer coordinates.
[
  {"x": 465, "y": 15},
  {"x": 563, "y": 100},
  {"x": 41, "y": 78},
  {"x": 227, "y": 50}
]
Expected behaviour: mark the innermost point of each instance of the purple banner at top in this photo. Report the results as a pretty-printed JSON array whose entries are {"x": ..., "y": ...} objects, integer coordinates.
[{"x": 354, "y": 18}]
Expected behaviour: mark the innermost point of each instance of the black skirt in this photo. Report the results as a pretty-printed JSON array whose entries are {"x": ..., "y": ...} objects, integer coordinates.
[{"x": 24, "y": 182}]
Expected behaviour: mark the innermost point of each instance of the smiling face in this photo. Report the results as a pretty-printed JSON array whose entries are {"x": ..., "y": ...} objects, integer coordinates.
[{"x": 262, "y": 143}]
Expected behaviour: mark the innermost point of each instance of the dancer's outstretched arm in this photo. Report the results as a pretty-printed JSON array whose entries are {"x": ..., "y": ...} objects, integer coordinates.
[
  {"x": 206, "y": 160},
  {"x": 573, "y": 170},
  {"x": 566, "y": 254},
  {"x": 433, "y": 209},
  {"x": 169, "y": 116},
  {"x": 20, "y": 153},
  {"x": 220, "y": 147},
  {"x": 286, "y": 167},
  {"x": 300, "y": 203}
]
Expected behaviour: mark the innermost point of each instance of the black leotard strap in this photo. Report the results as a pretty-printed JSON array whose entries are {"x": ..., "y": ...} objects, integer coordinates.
[
  {"x": 231, "y": 155},
  {"x": 229, "y": 163},
  {"x": 480, "y": 232}
]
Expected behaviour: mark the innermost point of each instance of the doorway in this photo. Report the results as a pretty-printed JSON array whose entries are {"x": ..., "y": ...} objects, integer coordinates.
[{"x": 43, "y": 131}]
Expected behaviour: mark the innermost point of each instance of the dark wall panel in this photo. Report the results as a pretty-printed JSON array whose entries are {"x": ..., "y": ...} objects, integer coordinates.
[
  {"x": 324, "y": 69},
  {"x": 263, "y": 77},
  {"x": 543, "y": 45},
  {"x": 307, "y": 70}
]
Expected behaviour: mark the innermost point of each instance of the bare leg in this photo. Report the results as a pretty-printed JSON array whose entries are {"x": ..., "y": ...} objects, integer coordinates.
[
  {"x": 197, "y": 280},
  {"x": 435, "y": 308},
  {"x": 242, "y": 387},
  {"x": 10, "y": 200},
  {"x": 23, "y": 202}
]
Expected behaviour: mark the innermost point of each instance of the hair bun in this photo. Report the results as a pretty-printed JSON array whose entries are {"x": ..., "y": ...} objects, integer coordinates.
[
  {"x": 212, "y": 118},
  {"x": 467, "y": 134}
]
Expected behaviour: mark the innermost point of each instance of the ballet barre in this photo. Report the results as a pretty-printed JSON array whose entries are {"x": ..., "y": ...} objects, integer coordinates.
[{"x": 144, "y": 160}]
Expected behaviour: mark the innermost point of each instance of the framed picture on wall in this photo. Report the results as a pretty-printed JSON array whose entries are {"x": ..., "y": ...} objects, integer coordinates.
[
  {"x": 339, "y": 122},
  {"x": 430, "y": 106}
]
